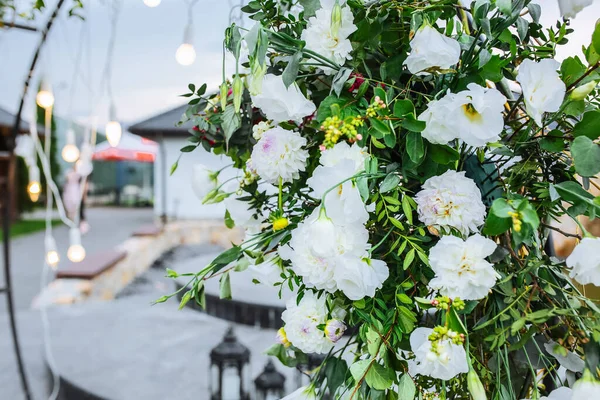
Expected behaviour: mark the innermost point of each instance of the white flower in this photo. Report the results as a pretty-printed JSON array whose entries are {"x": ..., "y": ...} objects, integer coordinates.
[
  {"x": 303, "y": 393},
  {"x": 301, "y": 321},
  {"x": 562, "y": 393},
  {"x": 342, "y": 151},
  {"x": 451, "y": 200},
  {"x": 358, "y": 277},
  {"x": 473, "y": 116},
  {"x": 240, "y": 212},
  {"x": 543, "y": 90},
  {"x": 570, "y": 8},
  {"x": 585, "y": 261},
  {"x": 587, "y": 387},
  {"x": 280, "y": 103},
  {"x": 279, "y": 154},
  {"x": 431, "y": 49},
  {"x": 334, "y": 329},
  {"x": 267, "y": 272},
  {"x": 460, "y": 267},
  {"x": 203, "y": 180},
  {"x": 447, "y": 361},
  {"x": 260, "y": 128},
  {"x": 320, "y": 38}
]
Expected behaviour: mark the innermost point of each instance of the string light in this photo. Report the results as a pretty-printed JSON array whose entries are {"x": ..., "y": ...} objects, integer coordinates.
[
  {"x": 186, "y": 54},
  {"x": 52, "y": 257},
  {"x": 45, "y": 98},
  {"x": 113, "y": 129},
  {"x": 70, "y": 152},
  {"x": 84, "y": 165},
  {"x": 152, "y": 3},
  {"x": 34, "y": 188},
  {"x": 76, "y": 252}
]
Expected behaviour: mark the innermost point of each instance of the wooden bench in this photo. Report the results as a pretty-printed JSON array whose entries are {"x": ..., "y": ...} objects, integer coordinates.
[
  {"x": 92, "y": 266},
  {"x": 148, "y": 230}
]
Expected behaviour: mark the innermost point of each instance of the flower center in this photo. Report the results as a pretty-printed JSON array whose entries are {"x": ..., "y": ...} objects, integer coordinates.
[{"x": 471, "y": 112}]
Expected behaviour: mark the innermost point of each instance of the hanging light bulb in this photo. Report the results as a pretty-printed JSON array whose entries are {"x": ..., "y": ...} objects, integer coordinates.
[
  {"x": 52, "y": 257},
  {"x": 45, "y": 98},
  {"x": 84, "y": 165},
  {"x": 186, "y": 55},
  {"x": 152, "y": 3},
  {"x": 113, "y": 129},
  {"x": 70, "y": 152},
  {"x": 34, "y": 188},
  {"x": 76, "y": 252}
]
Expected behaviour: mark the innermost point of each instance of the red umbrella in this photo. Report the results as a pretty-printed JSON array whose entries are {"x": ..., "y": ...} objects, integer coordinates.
[{"x": 130, "y": 148}]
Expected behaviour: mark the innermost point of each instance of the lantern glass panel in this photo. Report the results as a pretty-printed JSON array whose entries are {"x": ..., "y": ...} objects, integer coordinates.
[
  {"x": 215, "y": 381},
  {"x": 231, "y": 383}
]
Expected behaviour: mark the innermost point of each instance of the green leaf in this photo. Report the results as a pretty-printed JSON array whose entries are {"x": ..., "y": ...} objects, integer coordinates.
[
  {"x": 589, "y": 125},
  {"x": 586, "y": 155},
  {"x": 571, "y": 69},
  {"x": 373, "y": 342},
  {"x": 290, "y": 73},
  {"x": 495, "y": 225},
  {"x": 414, "y": 146},
  {"x": 335, "y": 372},
  {"x": 406, "y": 388},
  {"x": 225, "y": 287},
  {"x": 310, "y": 7},
  {"x": 379, "y": 126},
  {"x": 522, "y": 28},
  {"x": 359, "y": 368},
  {"x": 231, "y": 122},
  {"x": 412, "y": 124},
  {"x": 492, "y": 70},
  {"x": 184, "y": 299},
  {"x": 229, "y": 222},
  {"x": 339, "y": 79},
  {"x": 553, "y": 141},
  {"x": 442, "y": 154},
  {"x": 187, "y": 149},
  {"x": 455, "y": 323},
  {"x": 403, "y": 107},
  {"x": 174, "y": 167},
  {"x": 501, "y": 208},
  {"x": 407, "y": 209},
  {"x": 380, "y": 377},
  {"x": 227, "y": 256},
  {"x": 390, "y": 182},
  {"x": 407, "y": 319},
  {"x": 596, "y": 39},
  {"x": 535, "y": 10},
  {"x": 410, "y": 256}
]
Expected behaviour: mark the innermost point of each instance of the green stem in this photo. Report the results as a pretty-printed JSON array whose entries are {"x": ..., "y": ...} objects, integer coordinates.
[{"x": 280, "y": 194}]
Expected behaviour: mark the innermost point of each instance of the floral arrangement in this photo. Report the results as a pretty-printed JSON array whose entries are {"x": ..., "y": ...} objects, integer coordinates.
[{"x": 399, "y": 167}]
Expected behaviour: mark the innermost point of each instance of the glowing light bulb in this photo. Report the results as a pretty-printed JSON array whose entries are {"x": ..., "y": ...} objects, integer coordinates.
[
  {"x": 76, "y": 252},
  {"x": 152, "y": 3},
  {"x": 84, "y": 165},
  {"x": 113, "y": 133},
  {"x": 45, "y": 98},
  {"x": 34, "y": 188},
  {"x": 52, "y": 257},
  {"x": 186, "y": 55},
  {"x": 70, "y": 152}
]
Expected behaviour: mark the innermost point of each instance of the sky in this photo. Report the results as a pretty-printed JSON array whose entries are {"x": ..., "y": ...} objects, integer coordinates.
[{"x": 146, "y": 78}]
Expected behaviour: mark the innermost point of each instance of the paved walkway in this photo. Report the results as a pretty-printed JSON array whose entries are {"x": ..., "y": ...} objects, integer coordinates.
[{"x": 109, "y": 227}]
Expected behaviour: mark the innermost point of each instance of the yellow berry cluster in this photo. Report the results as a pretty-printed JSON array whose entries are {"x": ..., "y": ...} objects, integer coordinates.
[
  {"x": 335, "y": 128},
  {"x": 444, "y": 303},
  {"x": 516, "y": 220},
  {"x": 377, "y": 104},
  {"x": 443, "y": 333}
]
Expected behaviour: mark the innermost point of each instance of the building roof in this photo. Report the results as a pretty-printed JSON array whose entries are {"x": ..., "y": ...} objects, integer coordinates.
[
  {"x": 164, "y": 124},
  {"x": 7, "y": 121}
]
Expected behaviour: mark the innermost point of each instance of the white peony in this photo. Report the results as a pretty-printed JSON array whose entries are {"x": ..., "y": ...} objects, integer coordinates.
[
  {"x": 301, "y": 321},
  {"x": 203, "y": 180},
  {"x": 543, "y": 90},
  {"x": 584, "y": 261},
  {"x": 321, "y": 39},
  {"x": 359, "y": 277},
  {"x": 460, "y": 267},
  {"x": 279, "y": 154},
  {"x": 303, "y": 393},
  {"x": 473, "y": 116},
  {"x": 431, "y": 49},
  {"x": 451, "y": 200},
  {"x": 281, "y": 104},
  {"x": 447, "y": 361},
  {"x": 570, "y": 8}
]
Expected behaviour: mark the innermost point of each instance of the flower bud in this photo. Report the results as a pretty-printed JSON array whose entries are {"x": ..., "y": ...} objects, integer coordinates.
[
  {"x": 581, "y": 92},
  {"x": 334, "y": 329},
  {"x": 223, "y": 88},
  {"x": 475, "y": 386},
  {"x": 282, "y": 338},
  {"x": 280, "y": 223},
  {"x": 238, "y": 90},
  {"x": 336, "y": 18},
  {"x": 257, "y": 71}
]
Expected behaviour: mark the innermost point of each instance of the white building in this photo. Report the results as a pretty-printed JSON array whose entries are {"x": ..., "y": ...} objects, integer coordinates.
[{"x": 173, "y": 194}]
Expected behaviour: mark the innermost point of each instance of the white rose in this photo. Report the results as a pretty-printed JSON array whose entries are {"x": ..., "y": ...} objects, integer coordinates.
[
  {"x": 431, "y": 49},
  {"x": 203, "y": 180},
  {"x": 570, "y": 8},
  {"x": 473, "y": 116},
  {"x": 279, "y": 154},
  {"x": 358, "y": 277},
  {"x": 584, "y": 262},
  {"x": 320, "y": 38},
  {"x": 445, "y": 362},
  {"x": 451, "y": 200},
  {"x": 543, "y": 90},
  {"x": 460, "y": 267},
  {"x": 303, "y": 393},
  {"x": 301, "y": 321},
  {"x": 280, "y": 103}
]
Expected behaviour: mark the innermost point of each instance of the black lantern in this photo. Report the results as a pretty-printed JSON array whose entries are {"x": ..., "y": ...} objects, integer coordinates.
[
  {"x": 230, "y": 369},
  {"x": 304, "y": 371},
  {"x": 270, "y": 384}
]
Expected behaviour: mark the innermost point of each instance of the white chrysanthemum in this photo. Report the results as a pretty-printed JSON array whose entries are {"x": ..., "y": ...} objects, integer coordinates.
[
  {"x": 445, "y": 363},
  {"x": 260, "y": 128},
  {"x": 451, "y": 200},
  {"x": 301, "y": 321},
  {"x": 316, "y": 247},
  {"x": 570, "y": 8},
  {"x": 320, "y": 38},
  {"x": 543, "y": 90},
  {"x": 358, "y": 277},
  {"x": 281, "y": 104},
  {"x": 431, "y": 49},
  {"x": 460, "y": 267},
  {"x": 473, "y": 116},
  {"x": 267, "y": 272},
  {"x": 584, "y": 262},
  {"x": 279, "y": 154},
  {"x": 203, "y": 180}
]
